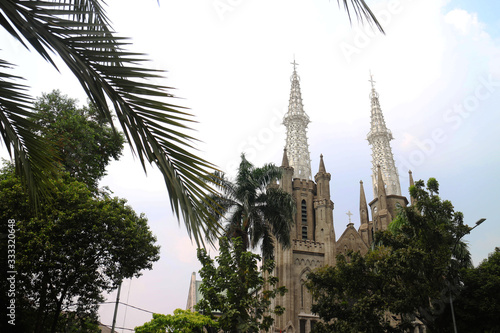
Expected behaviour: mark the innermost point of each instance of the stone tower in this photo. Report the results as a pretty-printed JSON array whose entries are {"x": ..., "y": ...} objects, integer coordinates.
[{"x": 313, "y": 238}]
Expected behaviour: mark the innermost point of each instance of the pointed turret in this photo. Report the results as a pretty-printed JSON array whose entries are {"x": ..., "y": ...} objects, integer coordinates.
[
  {"x": 323, "y": 206},
  {"x": 286, "y": 177},
  {"x": 379, "y": 138},
  {"x": 363, "y": 205},
  {"x": 284, "y": 161},
  {"x": 296, "y": 121},
  {"x": 412, "y": 199},
  {"x": 322, "y": 179},
  {"x": 381, "y": 215},
  {"x": 381, "y": 193},
  {"x": 365, "y": 225},
  {"x": 321, "y": 165}
]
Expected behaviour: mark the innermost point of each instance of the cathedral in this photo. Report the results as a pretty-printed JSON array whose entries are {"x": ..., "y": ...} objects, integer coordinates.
[{"x": 313, "y": 239}]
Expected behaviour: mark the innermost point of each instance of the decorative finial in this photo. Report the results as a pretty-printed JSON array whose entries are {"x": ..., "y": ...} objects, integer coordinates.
[
  {"x": 371, "y": 81},
  {"x": 349, "y": 214},
  {"x": 294, "y": 63}
]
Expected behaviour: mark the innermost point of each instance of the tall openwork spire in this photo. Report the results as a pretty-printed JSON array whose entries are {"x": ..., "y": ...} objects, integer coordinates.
[
  {"x": 379, "y": 138},
  {"x": 296, "y": 121}
]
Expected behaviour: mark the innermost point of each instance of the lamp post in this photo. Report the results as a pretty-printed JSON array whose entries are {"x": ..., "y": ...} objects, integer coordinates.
[{"x": 454, "y": 247}]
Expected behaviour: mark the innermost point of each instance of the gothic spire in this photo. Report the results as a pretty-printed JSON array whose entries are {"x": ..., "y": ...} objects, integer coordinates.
[
  {"x": 296, "y": 121},
  {"x": 363, "y": 206},
  {"x": 412, "y": 183},
  {"x": 379, "y": 138},
  {"x": 284, "y": 161},
  {"x": 322, "y": 168}
]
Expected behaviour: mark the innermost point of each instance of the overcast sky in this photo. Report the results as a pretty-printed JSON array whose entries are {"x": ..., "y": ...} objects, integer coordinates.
[{"x": 437, "y": 71}]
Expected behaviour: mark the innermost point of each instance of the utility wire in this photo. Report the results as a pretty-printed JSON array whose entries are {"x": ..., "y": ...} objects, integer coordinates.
[
  {"x": 128, "y": 295},
  {"x": 135, "y": 307}
]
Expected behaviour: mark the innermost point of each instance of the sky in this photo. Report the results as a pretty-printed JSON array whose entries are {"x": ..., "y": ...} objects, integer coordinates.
[{"x": 437, "y": 72}]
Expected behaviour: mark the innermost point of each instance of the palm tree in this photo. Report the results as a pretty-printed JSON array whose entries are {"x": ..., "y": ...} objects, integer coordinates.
[
  {"x": 80, "y": 34},
  {"x": 257, "y": 210}
]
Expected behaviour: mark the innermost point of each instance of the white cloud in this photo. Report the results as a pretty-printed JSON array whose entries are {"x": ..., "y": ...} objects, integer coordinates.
[{"x": 466, "y": 23}]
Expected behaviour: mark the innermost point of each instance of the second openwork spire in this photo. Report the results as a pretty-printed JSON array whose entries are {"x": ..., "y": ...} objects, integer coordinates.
[{"x": 379, "y": 138}]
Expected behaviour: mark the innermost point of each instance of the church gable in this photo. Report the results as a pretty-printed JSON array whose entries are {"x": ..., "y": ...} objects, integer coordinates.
[{"x": 351, "y": 241}]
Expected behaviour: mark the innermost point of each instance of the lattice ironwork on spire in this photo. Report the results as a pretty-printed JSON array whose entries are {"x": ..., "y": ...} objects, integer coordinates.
[
  {"x": 379, "y": 138},
  {"x": 296, "y": 121}
]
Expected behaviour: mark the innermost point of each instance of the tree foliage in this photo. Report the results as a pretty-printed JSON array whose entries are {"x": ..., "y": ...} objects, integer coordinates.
[
  {"x": 477, "y": 306},
  {"x": 405, "y": 279},
  {"x": 236, "y": 293},
  {"x": 254, "y": 210},
  {"x": 75, "y": 248},
  {"x": 84, "y": 141},
  {"x": 182, "y": 321}
]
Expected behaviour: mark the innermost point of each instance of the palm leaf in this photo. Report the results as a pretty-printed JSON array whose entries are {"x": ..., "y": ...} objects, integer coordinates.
[
  {"x": 79, "y": 32},
  {"x": 32, "y": 156},
  {"x": 361, "y": 11}
]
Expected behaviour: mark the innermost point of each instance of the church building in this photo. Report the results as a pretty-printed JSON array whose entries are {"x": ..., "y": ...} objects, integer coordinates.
[{"x": 313, "y": 240}]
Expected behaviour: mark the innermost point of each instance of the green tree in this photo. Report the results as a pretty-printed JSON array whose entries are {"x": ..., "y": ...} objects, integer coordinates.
[
  {"x": 236, "y": 293},
  {"x": 76, "y": 247},
  {"x": 477, "y": 306},
  {"x": 182, "y": 321},
  {"x": 408, "y": 275},
  {"x": 256, "y": 211},
  {"x": 84, "y": 142},
  {"x": 81, "y": 35}
]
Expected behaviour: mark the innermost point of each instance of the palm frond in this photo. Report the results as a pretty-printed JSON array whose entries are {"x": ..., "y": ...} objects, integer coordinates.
[
  {"x": 32, "y": 156},
  {"x": 78, "y": 31},
  {"x": 361, "y": 11}
]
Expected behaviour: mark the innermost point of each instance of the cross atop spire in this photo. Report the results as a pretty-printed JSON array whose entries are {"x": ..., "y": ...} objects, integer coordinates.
[
  {"x": 294, "y": 64},
  {"x": 373, "y": 93},
  {"x": 371, "y": 81}
]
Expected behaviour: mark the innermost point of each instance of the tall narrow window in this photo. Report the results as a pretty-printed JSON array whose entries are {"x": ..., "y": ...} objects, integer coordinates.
[
  {"x": 304, "y": 212},
  {"x": 302, "y": 294},
  {"x": 304, "y": 232}
]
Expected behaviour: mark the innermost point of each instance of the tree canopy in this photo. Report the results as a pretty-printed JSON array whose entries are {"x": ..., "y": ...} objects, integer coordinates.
[
  {"x": 182, "y": 321},
  {"x": 477, "y": 306},
  {"x": 75, "y": 248},
  {"x": 84, "y": 142},
  {"x": 236, "y": 293},
  {"x": 405, "y": 280}
]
